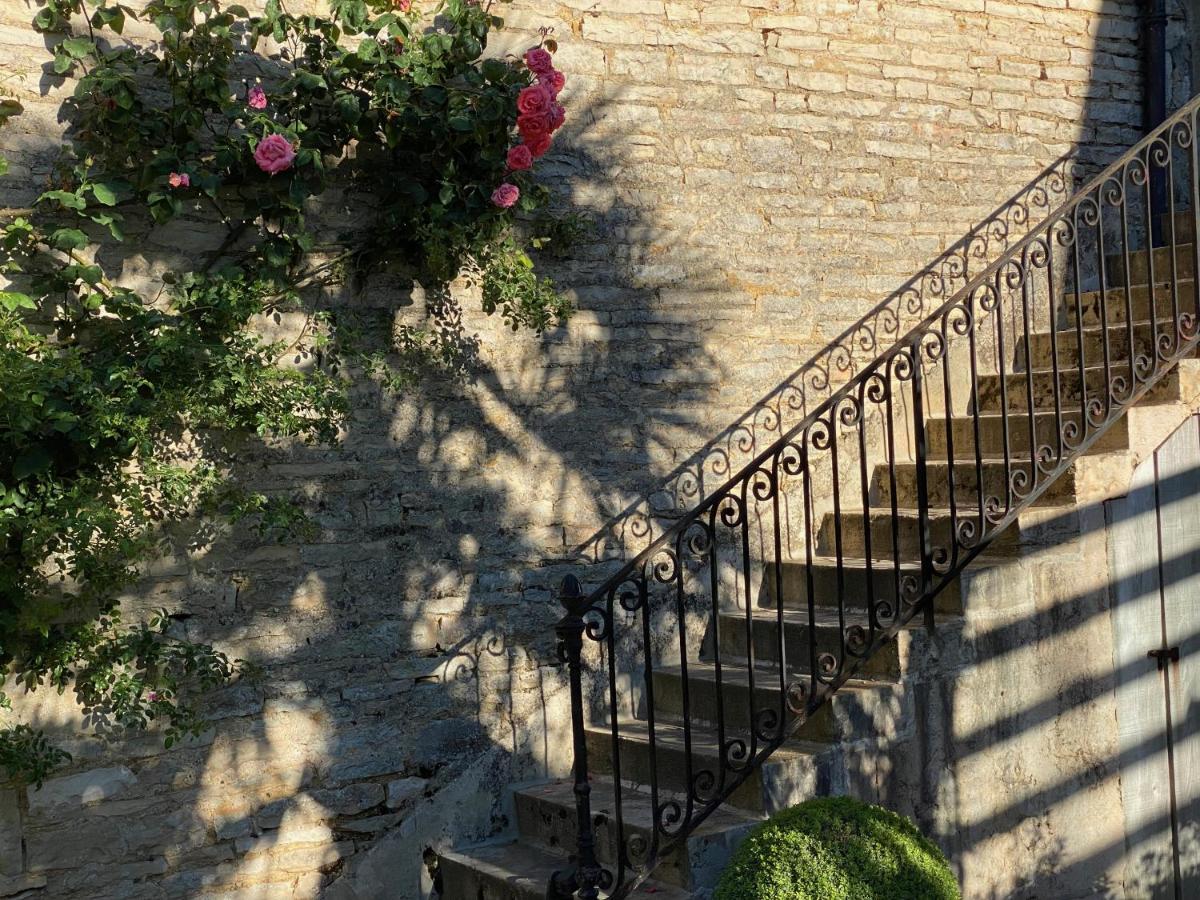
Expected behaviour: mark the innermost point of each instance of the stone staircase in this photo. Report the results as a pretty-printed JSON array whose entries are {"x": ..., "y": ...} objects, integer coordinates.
[{"x": 870, "y": 707}]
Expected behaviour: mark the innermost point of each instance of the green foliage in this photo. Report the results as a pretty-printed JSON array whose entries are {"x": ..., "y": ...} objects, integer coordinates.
[
  {"x": 122, "y": 408},
  {"x": 837, "y": 849}
]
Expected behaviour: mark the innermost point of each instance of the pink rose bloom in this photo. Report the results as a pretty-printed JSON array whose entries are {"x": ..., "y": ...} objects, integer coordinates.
[
  {"x": 533, "y": 124},
  {"x": 152, "y": 696},
  {"x": 534, "y": 99},
  {"x": 539, "y": 60},
  {"x": 256, "y": 98},
  {"x": 274, "y": 154},
  {"x": 403, "y": 5},
  {"x": 554, "y": 80},
  {"x": 179, "y": 180},
  {"x": 520, "y": 158},
  {"x": 558, "y": 115},
  {"x": 506, "y": 195},
  {"x": 538, "y": 145}
]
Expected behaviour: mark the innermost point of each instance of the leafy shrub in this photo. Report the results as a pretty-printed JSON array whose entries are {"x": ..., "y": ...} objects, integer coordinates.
[
  {"x": 122, "y": 406},
  {"x": 837, "y": 848}
]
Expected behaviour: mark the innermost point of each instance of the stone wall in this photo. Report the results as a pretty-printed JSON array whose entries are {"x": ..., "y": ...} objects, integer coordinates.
[{"x": 762, "y": 173}]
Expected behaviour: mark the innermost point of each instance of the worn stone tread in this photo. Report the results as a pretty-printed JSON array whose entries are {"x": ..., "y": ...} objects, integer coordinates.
[
  {"x": 825, "y": 617},
  {"x": 704, "y": 739},
  {"x": 518, "y": 871},
  {"x": 637, "y": 806}
]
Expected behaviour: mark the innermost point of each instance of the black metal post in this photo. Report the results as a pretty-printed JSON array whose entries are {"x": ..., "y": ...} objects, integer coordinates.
[
  {"x": 921, "y": 450},
  {"x": 584, "y": 880}
]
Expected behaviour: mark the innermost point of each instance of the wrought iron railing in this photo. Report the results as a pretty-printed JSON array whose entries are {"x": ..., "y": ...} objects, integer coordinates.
[
  {"x": 887, "y": 490},
  {"x": 807, "y": 387}
]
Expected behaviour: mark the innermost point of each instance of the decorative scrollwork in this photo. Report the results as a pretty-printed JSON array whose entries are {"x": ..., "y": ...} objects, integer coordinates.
[
  {"x": 1112, "y": 191},
  {"x": 933, "y": 346},
  {"x": 1088, "y": 210},
  {"x": 796, "y": 696},
  {"x": 849, "y": 411},
  {"x": 1137, "y": 170},
  {"x": 958, "y": 320},
  {"x": 597, "y": 624},
  {"x": 663, "y": 566},
  {"x": 876, "y": 387},
  {"x": 791, "y": 459},
  {"x": 697, "y": 539},
  {"x": 820, "y": 434},
  {"x": 763, "y": 484},
  {"x": 1182, "y": 134},
  {"x": 966, "y": 533},
  {"x": 731, "y": 511},
  {"x": 1047, "y": 458},
  {"x": 1062, "y": 232},
  {"x": 735, "y": 755},
  {"x": 1037, "y": 253},
  {"x": 1019, "y": 482},
  {"x": 637, "y": 850},
  {"x": 1011, "y": 275},
  {"x": 766, "y": 724},
  {"x": 632, "y": 597},
  {"x": 900, "y": 366},
  {"x": 1187, "y": 326},
  {"x": 669, "y": 817},
  {"x": 1159, "y": 152},
  {"x": 827, "y": 665},
  {"x": 704, "y": 786},
  {"x": 995, "y": 509},
  {"x": 1070, "y": 434},
  {"x": 857, "y": 640}
]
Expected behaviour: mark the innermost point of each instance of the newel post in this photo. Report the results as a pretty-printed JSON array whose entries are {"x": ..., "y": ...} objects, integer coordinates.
[{"x": 582, "y": 882}]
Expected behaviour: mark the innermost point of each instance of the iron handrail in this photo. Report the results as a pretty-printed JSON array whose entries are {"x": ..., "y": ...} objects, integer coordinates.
[
  {"x": 1012, "y": 272},
  {"x": 685, "y": 521}
]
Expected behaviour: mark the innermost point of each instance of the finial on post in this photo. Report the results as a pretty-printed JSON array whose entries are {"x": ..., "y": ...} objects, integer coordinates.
[{"x": 571, "y": 596}]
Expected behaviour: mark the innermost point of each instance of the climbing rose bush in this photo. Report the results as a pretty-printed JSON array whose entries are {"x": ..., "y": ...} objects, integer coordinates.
[{"x": 244, "y": 121}]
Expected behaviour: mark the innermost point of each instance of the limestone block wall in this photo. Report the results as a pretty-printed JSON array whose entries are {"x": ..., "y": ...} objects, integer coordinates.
[{"x": 761, "y": 174}]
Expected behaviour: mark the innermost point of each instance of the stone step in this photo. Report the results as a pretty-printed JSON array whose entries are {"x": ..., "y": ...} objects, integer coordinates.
[
  {"x": 992, "y": 426},
  {"x": 762, "y": 626},
  {"x": 517, "y": 871},
  {"x": 1144, "y": 336},
  {"x": 905, "y": 525},
  {"x": 843, "y": 715},
  {"x": 1184, "y": 230},
  {"x": 1139, "y": 264},
  {"x": 796, "y": 772},
  {"x": 546, "y": 818},
  {"x": 1114, "y": 309},
  {"x": 997, "y": 476},
  {"x": 1067, "y": 387},
  {"x": 852, "y": 573}
]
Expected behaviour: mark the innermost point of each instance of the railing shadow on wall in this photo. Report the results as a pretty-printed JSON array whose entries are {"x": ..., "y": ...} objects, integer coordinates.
[
  {"x": 640, "y": 522},
  {"x": 1001, "y": 650}
]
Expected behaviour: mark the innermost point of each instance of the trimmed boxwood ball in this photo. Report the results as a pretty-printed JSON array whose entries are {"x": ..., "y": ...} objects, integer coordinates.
[{"x": 836, "y": 848}]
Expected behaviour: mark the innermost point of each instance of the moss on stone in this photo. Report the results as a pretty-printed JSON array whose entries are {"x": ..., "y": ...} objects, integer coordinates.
[{"x": 837, "y": 848}]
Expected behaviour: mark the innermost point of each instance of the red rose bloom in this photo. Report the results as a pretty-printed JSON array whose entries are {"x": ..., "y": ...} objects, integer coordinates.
[
  {"x": 533, "y": 124},
  {"x": 519, "y": 158},
  {"x": 534, "y": 99},
  {"x": 538, "y": 145},
  {"x": 554, "y": 80},
  {"x": 539, "y": 60}
]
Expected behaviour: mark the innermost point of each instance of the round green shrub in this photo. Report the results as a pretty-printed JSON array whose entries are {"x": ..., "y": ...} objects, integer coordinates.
[{"x": 836, "y": 848}]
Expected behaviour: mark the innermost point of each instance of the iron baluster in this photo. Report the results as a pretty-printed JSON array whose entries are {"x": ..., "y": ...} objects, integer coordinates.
[
  {"x": 921, "y": 451},
  {"x": 583, "y": 881}
]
